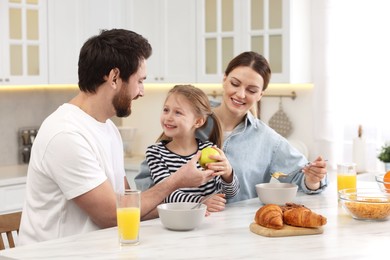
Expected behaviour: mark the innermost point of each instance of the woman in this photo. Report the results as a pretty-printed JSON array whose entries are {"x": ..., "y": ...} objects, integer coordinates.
[{"x": 254, "y": 150}]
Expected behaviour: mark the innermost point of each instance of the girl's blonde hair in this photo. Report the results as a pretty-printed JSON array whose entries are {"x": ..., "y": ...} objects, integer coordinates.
[{"x": 201, "y": 105}]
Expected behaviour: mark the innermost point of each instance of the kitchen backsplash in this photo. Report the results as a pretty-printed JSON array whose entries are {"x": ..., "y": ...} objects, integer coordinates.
[{"x": 25, "y": 108}]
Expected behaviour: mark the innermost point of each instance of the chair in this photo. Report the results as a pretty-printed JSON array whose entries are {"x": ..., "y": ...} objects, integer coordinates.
[{"x": 8, "y": 223}]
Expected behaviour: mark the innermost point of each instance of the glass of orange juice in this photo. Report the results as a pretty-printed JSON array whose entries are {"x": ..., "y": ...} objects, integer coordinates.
[
  {"x": 346, "y": 176},
  {"x": 128, "y": 212}
]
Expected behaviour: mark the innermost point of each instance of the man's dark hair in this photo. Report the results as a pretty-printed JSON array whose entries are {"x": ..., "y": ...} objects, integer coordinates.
[{"x": 116, "y": 48}]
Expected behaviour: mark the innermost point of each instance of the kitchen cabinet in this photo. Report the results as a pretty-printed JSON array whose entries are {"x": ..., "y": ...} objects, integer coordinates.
[
  {"x": 130, "y": 175},
  {"x": 23, "y": 42},
  {"x": 278, "y": 29},
  {"x": 170, "y": 27},
  {"x": 70, "y": 24},
  {"x": 12, "y": 197},
  {"x": 132, "y": 167}
]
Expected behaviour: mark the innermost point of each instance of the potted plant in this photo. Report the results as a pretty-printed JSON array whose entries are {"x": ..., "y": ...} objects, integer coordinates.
[{"x": 384, "y": 156}]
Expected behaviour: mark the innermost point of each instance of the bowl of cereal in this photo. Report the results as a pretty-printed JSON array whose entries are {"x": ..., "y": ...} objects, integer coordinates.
[{"x": 366, "y": 204}]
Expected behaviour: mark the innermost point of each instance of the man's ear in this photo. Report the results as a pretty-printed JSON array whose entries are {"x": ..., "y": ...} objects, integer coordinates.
[
  {"x": 115, "y": 74},
  {"x": 112, "y": 77}
]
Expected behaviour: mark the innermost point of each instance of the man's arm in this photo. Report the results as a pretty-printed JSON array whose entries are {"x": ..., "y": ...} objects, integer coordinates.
[
  {"x": 100, "y": 202},
  {"x": 100, "y": 205}
]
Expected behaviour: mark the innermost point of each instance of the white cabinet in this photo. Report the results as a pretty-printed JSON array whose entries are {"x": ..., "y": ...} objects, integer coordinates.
[
  {"x": 130, "y": 175},
  {"x": 12, "y": 197},
  {"x": 132, "y": 167},
  {"x": 70, "y": 24},
  {"x": 278, "y": 29},
  {"x": 170, "y": 27},
  {"x": 23, "y": 42}
]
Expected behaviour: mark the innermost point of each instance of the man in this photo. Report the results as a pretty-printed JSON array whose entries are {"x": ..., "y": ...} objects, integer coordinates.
[{"x": 76, "y": 164}]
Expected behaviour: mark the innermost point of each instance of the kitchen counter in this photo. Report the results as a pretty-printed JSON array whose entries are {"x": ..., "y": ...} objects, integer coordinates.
[
  {"x": 226, "y": 235},
  {"x": 15, "y": 174}
]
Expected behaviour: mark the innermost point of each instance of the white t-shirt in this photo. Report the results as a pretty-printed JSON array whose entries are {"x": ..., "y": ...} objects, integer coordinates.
[{"x": 71, "y": 155}]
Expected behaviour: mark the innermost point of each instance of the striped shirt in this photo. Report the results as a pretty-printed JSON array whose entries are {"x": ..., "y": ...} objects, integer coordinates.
[{"x": 163, "y": 162}]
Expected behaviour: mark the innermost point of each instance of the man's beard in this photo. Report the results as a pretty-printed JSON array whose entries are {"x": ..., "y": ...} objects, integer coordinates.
[{"x": 122, "y": 103}]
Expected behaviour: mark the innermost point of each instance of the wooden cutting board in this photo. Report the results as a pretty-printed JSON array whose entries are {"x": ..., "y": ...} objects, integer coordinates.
[{"x": 286, "y": 231}]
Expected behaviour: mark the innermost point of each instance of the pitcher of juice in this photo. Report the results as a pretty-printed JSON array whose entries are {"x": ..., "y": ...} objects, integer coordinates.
[{"x": 346, "y": 176}]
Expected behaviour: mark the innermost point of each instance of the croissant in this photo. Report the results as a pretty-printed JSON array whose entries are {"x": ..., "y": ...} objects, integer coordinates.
[
  {"x": 270, "y": 216},
  {"x": 303, "y": 217}
]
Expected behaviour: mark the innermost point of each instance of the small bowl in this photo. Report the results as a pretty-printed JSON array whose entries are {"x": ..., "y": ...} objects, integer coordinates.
[
  {"x": 383, "y": 185},
  {"x": 366, "y": 204},
  {"x": 276, "y": 193},
  {"x": 180, "y": 216}
]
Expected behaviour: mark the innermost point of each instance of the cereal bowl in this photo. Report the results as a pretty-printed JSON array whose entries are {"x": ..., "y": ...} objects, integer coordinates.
[
  {"x": 180, "y": 216},
  {"x": 366, "y": 204},
  {"x": 383, "y": 184},
  {"x": 276, "y": 193}
]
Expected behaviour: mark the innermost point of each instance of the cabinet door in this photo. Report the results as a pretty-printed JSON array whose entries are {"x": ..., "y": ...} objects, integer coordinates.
[
  {"x": 130, "y": 175},
  {"x": 64, "y": 40},
  {"x": 170, "y": 27},
  {"x": 24, "y": 47},
  {"x": 71, "y": 23},
  {"x": 277, "y": 29},
  {"x": 12, "y": 198}
]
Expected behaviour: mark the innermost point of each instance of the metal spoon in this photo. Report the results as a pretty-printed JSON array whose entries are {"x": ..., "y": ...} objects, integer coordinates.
[
  {"x": 278, "y": 175},
  {"x": 204, "y": 199}
]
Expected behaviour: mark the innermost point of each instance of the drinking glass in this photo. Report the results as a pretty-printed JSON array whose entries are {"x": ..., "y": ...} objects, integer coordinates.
[
  {"x": 346, "y": 176},
  {"x": 128, "y": 212}
]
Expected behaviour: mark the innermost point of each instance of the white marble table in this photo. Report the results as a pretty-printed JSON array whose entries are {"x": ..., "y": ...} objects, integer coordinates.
[{"x": 226, "y": 235}]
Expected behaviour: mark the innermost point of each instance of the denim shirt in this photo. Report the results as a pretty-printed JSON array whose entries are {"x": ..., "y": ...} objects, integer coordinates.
[{"x": 255, "y": 151}]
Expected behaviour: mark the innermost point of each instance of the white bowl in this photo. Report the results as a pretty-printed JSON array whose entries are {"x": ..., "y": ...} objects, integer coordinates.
[
  {"x": 276, "y": 193},
  {"x": 180, "y": 216}
]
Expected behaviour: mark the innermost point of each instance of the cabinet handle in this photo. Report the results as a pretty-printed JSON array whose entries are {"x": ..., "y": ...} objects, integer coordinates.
[
  {"x": 161, "y": 78},
  {"x": 156, "y": 78},
  {"x": 7, "y": 80}
]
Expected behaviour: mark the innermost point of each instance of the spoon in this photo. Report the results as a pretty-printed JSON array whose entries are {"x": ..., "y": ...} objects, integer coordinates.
[
  {"x": 278, "y": 175},
  {"x": 204, "y": 199}
]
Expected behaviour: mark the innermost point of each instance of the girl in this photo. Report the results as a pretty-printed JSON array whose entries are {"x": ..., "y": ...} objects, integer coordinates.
[{"x": 187, "y": 109}]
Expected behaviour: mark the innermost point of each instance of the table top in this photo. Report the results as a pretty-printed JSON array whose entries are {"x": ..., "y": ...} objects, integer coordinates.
[{"x": 226, "y": 235}]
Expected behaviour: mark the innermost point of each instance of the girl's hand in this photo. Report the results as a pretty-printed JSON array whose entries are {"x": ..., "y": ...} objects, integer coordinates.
[
  {"x": 216, "y": 203},
  {"x": 222, "y": 166}
]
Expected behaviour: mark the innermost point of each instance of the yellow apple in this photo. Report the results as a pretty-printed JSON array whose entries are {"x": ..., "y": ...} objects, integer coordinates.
[{"x": 204, "y": 157}]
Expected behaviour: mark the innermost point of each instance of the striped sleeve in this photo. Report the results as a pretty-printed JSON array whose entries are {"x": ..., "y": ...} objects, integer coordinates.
[{"x": 158, "y": 168}]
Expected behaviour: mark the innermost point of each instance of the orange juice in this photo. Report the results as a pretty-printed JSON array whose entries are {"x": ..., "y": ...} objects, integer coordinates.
[
  {"x": 346, "y": 181},
  {"x": 128, "y": 223}
]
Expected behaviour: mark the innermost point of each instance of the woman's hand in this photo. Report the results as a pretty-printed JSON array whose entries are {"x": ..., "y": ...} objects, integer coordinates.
[
  {"x": 222, "y": 167},
  {"x": 216, "y": 203},
  {"x": 314, "y": 173}
]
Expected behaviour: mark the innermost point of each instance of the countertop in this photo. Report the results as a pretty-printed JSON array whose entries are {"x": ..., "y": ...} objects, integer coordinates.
[
  {"x": 226, "y": 235},
  {"x": 16, "y": 174}
]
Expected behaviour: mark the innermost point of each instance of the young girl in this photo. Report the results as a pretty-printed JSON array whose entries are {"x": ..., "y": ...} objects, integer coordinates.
[{"x": 186, "y": 109}]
